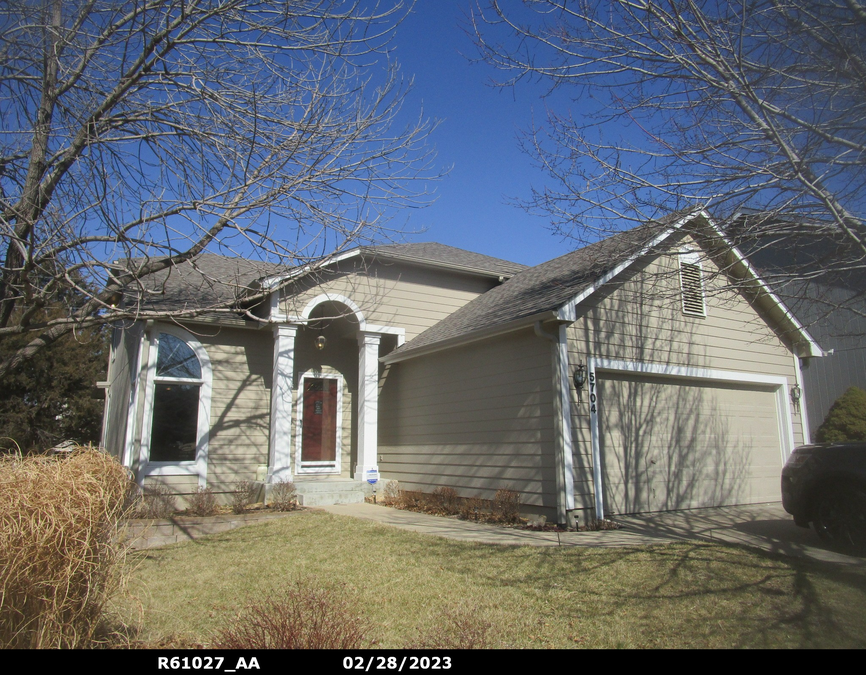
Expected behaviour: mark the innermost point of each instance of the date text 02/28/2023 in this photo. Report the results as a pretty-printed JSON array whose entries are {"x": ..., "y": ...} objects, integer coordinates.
[{"x": 397, "y": 663}]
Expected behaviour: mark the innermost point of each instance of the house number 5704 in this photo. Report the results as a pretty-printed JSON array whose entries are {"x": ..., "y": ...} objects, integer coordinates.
[{"x": 592, "y": 396}]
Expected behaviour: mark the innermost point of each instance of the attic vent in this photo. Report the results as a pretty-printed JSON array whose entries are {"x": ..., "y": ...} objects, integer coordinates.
[{"x": 691, "y": 278}]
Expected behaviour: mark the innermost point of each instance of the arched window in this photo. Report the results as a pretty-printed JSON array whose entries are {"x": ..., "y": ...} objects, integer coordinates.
[{"x": 178, "y": 404}]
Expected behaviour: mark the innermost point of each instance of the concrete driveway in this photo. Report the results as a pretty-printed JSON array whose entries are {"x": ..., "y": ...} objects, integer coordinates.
[{"x": 764, "y": 526}]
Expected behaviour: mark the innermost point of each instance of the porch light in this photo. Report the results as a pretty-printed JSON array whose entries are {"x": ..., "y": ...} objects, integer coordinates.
[
  {"x": 579, "y": 376},
  {"x": 796, "y": 393},
  {"x": 321, "y": 341}
]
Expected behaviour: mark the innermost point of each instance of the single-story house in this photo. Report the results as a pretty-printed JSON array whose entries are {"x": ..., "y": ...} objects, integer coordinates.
[{"x": 435, "y": 366}]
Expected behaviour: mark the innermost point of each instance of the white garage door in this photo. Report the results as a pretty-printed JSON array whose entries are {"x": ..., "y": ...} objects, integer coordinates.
[{"x": 670, "y": 444}]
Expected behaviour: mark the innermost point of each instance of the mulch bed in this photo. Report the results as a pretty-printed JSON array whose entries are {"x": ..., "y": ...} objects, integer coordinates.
[{"x": 423, "y": 503}]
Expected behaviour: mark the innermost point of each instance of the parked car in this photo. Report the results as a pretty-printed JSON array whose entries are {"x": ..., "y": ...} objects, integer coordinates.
[{"x": 825, "y": 484}]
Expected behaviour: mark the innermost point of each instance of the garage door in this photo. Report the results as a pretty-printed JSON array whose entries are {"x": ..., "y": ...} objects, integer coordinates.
[{"x": 676, "y": 444}]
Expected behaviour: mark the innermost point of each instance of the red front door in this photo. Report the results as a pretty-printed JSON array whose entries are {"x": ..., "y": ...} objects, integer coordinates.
[{"x": 319, "y": 443}]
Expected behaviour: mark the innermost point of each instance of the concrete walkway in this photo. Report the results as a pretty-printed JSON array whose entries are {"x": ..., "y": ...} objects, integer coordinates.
[{"x": 763, "y": 526}]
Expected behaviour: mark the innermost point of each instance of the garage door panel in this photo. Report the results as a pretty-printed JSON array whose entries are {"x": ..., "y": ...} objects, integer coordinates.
[{"x": 674, "y": 444}]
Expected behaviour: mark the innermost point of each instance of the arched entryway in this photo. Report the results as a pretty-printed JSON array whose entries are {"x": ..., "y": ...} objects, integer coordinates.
[
  {"x": 326, "y": 389},
  {"x": 324, "y": 397}
]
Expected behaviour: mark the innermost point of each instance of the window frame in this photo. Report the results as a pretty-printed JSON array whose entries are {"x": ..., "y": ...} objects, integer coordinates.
[{"x": 198, "y": 466}]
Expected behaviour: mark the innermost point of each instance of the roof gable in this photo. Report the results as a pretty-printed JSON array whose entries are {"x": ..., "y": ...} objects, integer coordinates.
[
  {"x": 212, "y": 281},
  {"x": 555, "y": 288}
]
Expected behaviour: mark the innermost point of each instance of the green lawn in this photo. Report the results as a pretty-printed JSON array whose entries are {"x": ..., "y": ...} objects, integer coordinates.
[{"x": 677, "y": 595}]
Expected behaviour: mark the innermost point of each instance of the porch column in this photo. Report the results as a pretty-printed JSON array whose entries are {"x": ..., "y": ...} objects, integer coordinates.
[
  {"x": 280, "y": 450},
  {"x": 368, "y": 403}
]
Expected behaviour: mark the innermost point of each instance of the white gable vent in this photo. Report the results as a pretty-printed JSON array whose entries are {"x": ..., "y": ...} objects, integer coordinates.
[{"x": 692, "y": 282}]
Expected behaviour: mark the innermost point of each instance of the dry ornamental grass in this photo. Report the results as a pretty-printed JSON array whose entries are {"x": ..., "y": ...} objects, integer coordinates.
[{"x": 58, "y": 550}]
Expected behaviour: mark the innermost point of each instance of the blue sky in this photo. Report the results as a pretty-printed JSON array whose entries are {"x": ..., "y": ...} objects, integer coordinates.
[{"x": 477, "y": 137}]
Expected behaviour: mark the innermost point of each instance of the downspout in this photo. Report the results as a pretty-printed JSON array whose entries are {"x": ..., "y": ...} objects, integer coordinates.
[
  {"x": 563, "y": 455},
  {"x": 540, "y": 332}
]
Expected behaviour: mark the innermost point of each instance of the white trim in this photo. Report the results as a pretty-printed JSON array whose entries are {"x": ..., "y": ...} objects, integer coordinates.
[
  {"x": 689, "y": 372},
  {"x": 689, "y": 256},
  {"x": 318, "y": 467},
  {"x": 197, "y": 467},
  {"x": 368, "y": 404},
  {"x": 562, "y": 426},
  {"x": 777, "y": 384},
  {"x": 814, "y": 348},
  {"x": 136, "y": 377},
  {"x": 276, "y": 281},
  {"x": 274, "y": 313},
  {"x": 282, "y": 388},
  {"x": 592, "y": 382},
  {"x": 388, "y": 330},
  {"x": 334, "y": 297}
]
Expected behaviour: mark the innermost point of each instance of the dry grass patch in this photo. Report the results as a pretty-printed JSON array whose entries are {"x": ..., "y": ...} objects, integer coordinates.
[{"x": 58, "y": 553}]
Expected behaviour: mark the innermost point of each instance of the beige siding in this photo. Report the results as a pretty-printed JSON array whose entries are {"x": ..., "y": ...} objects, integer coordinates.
[
  {"x": 476, "y": 418},
  {"x": 240, "y": 404},
  {"x": 181, "y": 486},
  {"x": 392, "y": 295},
  {"x": 640, "y": 319}
]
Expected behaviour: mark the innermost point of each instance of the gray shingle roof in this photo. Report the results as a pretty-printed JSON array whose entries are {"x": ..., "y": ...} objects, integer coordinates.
[
  {"x": 208, "y": 281},
  {"x": 213, "y": 280},
  {"x": 545, "y": 287},
  {"x": 449, "y": 256}
]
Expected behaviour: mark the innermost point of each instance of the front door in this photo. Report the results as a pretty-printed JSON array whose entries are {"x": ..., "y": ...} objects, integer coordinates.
[{"x": 319, "y": 425}]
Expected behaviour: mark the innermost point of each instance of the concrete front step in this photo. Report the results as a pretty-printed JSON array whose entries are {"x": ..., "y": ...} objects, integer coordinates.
[
  {"x": 325, "y": 492},
  {"x": 330, "y": 498}
]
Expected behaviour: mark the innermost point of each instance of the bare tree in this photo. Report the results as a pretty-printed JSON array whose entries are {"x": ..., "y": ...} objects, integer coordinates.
[
  {"x": 137, "y": 135},
  {"x": 754, "y": 109}
]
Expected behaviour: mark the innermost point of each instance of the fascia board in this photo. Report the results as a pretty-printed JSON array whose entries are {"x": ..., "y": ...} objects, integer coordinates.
[
  {"x": 423, "y": 262},
  {"x": 271, "y": 283},
  {"x": 568, "y": 310},
  {"x": 813, "y": 348}
]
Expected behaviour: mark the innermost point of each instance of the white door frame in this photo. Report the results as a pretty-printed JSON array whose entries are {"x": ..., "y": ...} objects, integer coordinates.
[{"x": 326, "y": 467}]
